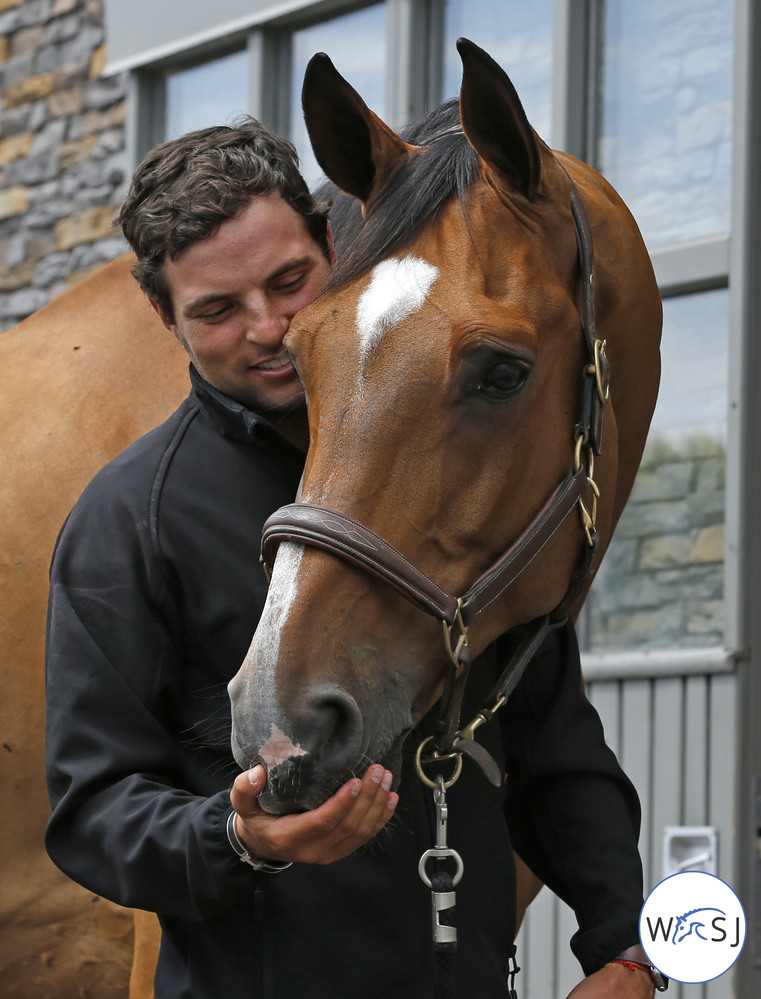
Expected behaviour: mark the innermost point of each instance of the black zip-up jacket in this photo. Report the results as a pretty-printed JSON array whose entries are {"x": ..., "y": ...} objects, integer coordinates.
[{"x": 155, "y": 594}]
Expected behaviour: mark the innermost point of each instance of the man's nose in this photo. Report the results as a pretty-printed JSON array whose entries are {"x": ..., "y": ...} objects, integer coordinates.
[{"x": 267, "y": 325}]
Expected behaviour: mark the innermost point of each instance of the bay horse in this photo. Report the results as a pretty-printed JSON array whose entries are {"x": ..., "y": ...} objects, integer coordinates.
[{"x": 446, "y": 368}]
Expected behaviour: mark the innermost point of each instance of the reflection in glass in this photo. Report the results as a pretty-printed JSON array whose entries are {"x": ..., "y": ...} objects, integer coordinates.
[
  {"x": 211, "y": 93},
  {"x": 356, "y": 43},
  {"x": 518, "y": 36},
  {"x": 666, "y": 105},
  {"x": 661, "y": 584}
]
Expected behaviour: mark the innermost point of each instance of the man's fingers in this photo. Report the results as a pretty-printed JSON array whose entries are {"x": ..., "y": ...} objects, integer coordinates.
[{"x": 348, "y": 819}]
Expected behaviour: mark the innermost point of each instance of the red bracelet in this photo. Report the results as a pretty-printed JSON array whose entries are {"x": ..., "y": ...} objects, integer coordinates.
[{"x": 631, "y": 965}]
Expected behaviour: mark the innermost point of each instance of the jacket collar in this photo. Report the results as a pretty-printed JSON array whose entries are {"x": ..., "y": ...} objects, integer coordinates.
[{"x": 228, "y": 417}]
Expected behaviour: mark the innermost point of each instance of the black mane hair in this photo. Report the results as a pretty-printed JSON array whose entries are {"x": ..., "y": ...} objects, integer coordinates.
[{"x": 445, "y": 167}]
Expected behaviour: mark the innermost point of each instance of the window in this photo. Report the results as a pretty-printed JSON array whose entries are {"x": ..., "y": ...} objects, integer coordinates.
[
  {"x": 518, "y": 36},
  {"x": 356, "y": 43},
  {"x": 209, "y": 93},
  {"x": 664, "y": 141},
  {"x": 661, "y": 584}
]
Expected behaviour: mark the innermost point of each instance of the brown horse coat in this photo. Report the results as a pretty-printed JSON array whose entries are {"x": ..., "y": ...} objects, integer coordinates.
[{"x": 82, "y": 379}]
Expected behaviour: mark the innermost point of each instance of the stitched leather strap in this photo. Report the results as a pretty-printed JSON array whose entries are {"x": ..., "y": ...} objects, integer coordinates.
[{"x": 341, "y": 535}]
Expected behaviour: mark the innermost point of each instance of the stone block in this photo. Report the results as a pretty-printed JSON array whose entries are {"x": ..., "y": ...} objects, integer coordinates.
[
  {"x": 80, "y": 48},
  {"x": 18, "y": 67},
  {"x": 33, "y": 88},
  {"x": 705, "y": 618},
  {"x": 9, "y": 19},
  {"x": 65, "y": 102},
  {"x": 35, "y": 169},
  {"x": 99, "y": 94},
  {"x": 50, "y": 58},
  {"x": 54, "y": 267},
  {"x": 62, "y": 28},
  {"x": 711, "y": 475},
  {"x": 15, "y": 251},
  {"x": 709, "y": 545},
  {"x": 49, "y": 136},
  {"x": 14, "y": 278},
  {"x": 16, "y": 121},
  {"x": 63, "y": 6},
  {"x": 630, "y": 630},
  {"x": 99, "y": 121},
  {"x": 4, "y": 48},
  {"x": 23, "y": 303},
  {"x": 35, "y": 12},
  {"x": 84, "y": 227},
  {"x": 14, "y": 201},
  {"x": 97, "y": 62},
  {"x": 642, "y": 520},
  {"x": 27, "y": 39},
  {"x": 15, "y": 147},
  {"x": 71, "y": 154},
  {"x": 706, "y": 508},
  {"x": 665, "y": 552},
  {"x": 10, "y": 4},
  {"x": 668, "y": 481}
]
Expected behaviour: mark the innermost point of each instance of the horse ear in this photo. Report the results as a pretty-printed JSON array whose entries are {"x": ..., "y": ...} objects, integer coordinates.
[
  {"x": 354, "y": 148},
  {"x": 494, "y": 121}
]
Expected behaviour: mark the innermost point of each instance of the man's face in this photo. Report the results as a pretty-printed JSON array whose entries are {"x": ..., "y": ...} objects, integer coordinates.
[{"x": 234, "y": 295}]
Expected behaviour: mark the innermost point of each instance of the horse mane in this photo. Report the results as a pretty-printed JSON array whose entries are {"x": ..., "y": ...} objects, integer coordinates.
[{"x": 445, "y": 167}]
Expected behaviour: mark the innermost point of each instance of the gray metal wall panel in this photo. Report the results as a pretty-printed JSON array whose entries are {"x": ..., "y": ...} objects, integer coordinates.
[{"x": 675, "y": 737}]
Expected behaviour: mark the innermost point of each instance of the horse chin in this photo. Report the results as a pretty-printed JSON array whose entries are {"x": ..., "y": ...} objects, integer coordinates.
[{"x": 291, "y": 787}]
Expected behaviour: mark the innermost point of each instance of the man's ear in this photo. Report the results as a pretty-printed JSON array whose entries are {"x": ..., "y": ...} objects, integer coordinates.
[{"x": 162, "y": 316}]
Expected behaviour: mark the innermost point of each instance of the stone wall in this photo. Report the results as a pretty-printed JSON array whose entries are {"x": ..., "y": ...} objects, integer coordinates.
[
  {"x": 661, "y": 584},
  {"x": 63, "y": 164}
]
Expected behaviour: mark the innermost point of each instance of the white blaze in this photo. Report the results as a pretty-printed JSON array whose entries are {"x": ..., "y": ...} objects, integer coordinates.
[
  {"x": 398, "y": 287},
  {"x": 265, "y": 648}
]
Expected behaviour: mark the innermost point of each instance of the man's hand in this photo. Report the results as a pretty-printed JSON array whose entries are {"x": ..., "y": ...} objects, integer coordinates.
[
  {"x": 615, "y": 981},
  {"x": 355, "y": 813}
]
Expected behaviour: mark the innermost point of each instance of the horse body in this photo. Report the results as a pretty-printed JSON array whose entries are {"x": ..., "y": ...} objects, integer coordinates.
[
  {"x": 83, "y": 378},
  {"x": 443, "y": 374}
]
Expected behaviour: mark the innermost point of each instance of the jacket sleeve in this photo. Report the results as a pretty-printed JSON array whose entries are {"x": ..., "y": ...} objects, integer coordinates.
[
  {"x": 130, "y": 819},
  {"x": 573, "y": 814}
]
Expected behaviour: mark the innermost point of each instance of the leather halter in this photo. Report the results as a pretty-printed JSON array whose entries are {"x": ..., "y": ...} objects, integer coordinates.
[{"x": 341, "y": 535}]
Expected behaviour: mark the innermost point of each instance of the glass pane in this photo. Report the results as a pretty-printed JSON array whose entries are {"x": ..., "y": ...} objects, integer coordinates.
[
  {"x": 661, "y": 584},
  {"x": 666, "y": 131},
  {"x": 208, "y": 94},
  {"x": 518, "y": 36},
  {"x": 356, "y": 43}
]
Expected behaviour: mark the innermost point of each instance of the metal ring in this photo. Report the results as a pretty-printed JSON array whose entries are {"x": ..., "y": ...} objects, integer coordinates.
[
  {"x": 440, "y": 853},
  {"x": 457, "y": 757}
]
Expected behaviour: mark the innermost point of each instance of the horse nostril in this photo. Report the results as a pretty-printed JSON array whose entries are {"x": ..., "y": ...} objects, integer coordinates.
[{"x": 332, "y": 728}]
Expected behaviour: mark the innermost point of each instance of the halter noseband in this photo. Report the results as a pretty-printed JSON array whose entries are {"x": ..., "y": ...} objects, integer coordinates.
[{"x": 341, "y": 535}]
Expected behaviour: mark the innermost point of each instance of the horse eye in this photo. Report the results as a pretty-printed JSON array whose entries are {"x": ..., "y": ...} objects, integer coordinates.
[{"x": 504, "y": 379}]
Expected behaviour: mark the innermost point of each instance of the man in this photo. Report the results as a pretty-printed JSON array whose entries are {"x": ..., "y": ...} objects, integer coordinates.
[{"x": 155, "y": 594}]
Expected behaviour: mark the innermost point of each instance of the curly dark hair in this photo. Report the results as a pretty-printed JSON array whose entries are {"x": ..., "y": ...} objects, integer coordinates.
[{"x": 186, "y": 188}]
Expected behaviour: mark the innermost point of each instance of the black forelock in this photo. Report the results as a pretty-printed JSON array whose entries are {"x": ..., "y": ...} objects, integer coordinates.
[{"x": 445, "y": 168}]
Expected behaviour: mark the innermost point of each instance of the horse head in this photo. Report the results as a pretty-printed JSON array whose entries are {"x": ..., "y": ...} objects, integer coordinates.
[{"x": 444, "y": 370}]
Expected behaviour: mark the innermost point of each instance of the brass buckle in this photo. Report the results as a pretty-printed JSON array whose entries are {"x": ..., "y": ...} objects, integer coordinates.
[
  {"x": 435, "y": 758},
  {"x": 602, "y": 380},
  {"x": 455, "y": 652}
]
